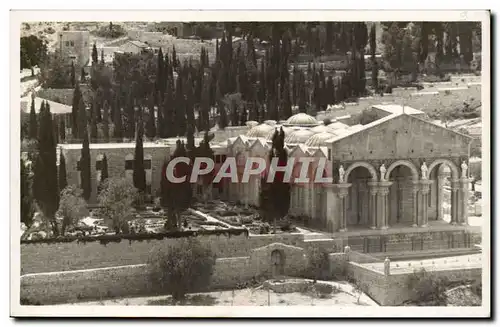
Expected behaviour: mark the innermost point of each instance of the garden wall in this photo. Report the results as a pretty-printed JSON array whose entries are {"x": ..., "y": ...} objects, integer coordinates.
[
  {"x": 392, "y": 289},
  {"x": 132, "y": 280},
  {"x": 37, "y": 258}
]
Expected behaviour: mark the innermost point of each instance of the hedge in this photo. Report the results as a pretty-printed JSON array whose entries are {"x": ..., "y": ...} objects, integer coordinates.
[{"x": 105, "y": 239}]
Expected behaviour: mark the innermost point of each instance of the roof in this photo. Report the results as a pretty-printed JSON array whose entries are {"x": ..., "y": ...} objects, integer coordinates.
[
  {"x": 357, "y": 129},
  {"x": 302, "y": 119},
  {"x": 55, "y": 107},
  {"x": 396, "y": 109},
  {"x": 138, "y": 44}
]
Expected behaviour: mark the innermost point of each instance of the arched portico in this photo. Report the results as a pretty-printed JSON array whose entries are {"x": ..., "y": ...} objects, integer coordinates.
[
  {"x": 364, "y": 164},
  {"x": 402, "y": 199},
  {"x": 405, "y": 163},
  {"x": 459, "y": 192}
]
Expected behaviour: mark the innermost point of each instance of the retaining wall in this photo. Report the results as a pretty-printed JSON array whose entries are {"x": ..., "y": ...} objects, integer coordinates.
[{"x": 37, "y": 258}]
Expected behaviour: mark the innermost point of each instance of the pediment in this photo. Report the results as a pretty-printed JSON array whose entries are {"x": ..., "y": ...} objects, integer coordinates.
[{"x": 402, "y": 136}]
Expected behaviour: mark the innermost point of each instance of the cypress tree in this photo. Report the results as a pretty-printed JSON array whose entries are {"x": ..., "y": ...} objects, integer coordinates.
[
  {"x": 170, "y": 129},
  {"x": 104, "y": 173},
  {"x": 75, "y": 109},
  {"x": 160, "y": 78},
  {"x": 45, "y": 185},
  {"x": 82, "y": 75},
  {"x": 102, "y": 56},
  {"x": 244, "y": 115},
  {"x": 117, "y": 121},
  {"x": 174, "y": 58},
  {"x": 85, "y": 167},
  {"x": 56, "y": 129},
  {"x": 150, "y": 124},
  {"x": 27, "y": 207},
  {"x": 33, "y": 124},
  {"x": 139, "y": 174},
  {"x": 63, "y": 182},
  {"x": 373, "y": 49},
  {"x": 93, "y": 123},
  {"x": 94, "y": 54},
  {"x": 130, "y": 115},
  {"x": 287, "y": 104},
  {"x": 104, "y": 169},
  {"x": 205, "y": 108},
  {"x": 105, "y": 121},
  {"x": 180, "y": 108},
  {"x": 302, "y": 93},
  {"x": 62, "y": 131},
  {"x": 73, "y": 75}
]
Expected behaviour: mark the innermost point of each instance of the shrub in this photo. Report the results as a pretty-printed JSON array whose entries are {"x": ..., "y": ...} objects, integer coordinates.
[
  {"x": 185, "y": 267},
  {"x": 318, "y": 264},
  {"x": 427, "y": 288}
]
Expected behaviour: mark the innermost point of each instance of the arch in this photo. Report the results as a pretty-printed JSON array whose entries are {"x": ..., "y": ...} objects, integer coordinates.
[
  {"x": 364, "y": 164},
  {"x": 405, "y": 163},
  {"x": 454, "y": 169},
  {"x": 277, "y": 262}
]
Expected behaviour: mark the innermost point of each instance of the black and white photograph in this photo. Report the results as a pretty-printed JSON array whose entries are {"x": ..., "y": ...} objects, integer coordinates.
[{"x": 247, "y": 164}]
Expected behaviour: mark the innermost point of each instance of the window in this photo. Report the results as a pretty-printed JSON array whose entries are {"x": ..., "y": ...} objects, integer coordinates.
[
  {"x": 147, "y": 164},
  {"x": 129, "y": 164},
  {"x": 329, "y": 154},
  {"x": 98, "y": 165},
  {"x": 66, "y": 43},
  {"x": 78, "y": 167},
  {"x": 86, "y": 44},
  {"x": 72, "y": 43}
]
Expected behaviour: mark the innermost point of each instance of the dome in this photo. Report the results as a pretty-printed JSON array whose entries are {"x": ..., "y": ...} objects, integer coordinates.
[
  {"x": 299, "y": 136},
  {"x": 270, "y": 122},
  {"x": 302, "y": 119},
  {"x": 321, "y": 129},
  {"x": 252, "y": 123},
  {"x": 337, "y": 125},
  {"x": 319, "y": 139},
  {"x": 261, "y": 130}
]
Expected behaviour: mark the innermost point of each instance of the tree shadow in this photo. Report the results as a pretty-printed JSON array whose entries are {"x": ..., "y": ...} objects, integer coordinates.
[{"x": 195, "y": 300}]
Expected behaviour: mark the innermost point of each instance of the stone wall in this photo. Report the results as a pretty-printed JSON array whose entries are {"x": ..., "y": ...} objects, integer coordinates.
[
  {"x": 132, "y": 280},
  {"x": 411, "y": 241},
  {"x": 38, "y": 258},
  {"x": 393, "y": 289},
  {"x": 115, "y": 156}
]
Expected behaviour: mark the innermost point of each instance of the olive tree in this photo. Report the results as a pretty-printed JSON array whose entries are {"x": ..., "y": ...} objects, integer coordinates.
[
  {"x": 116, "y": 202},
  {"x": 72, "y": 207},
  {"x": 184, "y": 267}
]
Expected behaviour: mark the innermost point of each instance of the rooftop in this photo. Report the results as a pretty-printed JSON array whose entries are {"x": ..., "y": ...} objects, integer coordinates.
[
  {"x": 55, "y": 107},
  {"x": 397, "y": 109}
]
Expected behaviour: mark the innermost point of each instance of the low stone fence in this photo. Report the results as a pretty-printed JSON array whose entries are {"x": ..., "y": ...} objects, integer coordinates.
[
  {"x": 133, "y": 280},
  {"x": 38, "y": 258},
  {"x": 391, "y": 288}
]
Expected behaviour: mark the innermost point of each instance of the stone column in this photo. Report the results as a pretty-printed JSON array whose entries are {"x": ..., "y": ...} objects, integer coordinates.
[
  {"x": 439, "y": 204},
  {"x": 455, "y": 185},
  {"x": 342, "y": 193},
  {"x": 415, "y": 198},
  {"x": 400, "y": 187},
  {"x": 464, "y": 217},
  {"x": 330, "y": 211},
  {"x": 383, "y": 193},
  {"x": 373, "y": 186},
  {"x": 425, "y": 188}
]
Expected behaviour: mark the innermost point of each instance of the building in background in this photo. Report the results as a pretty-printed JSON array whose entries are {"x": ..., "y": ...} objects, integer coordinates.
[{"x": 75, "y": 46}]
